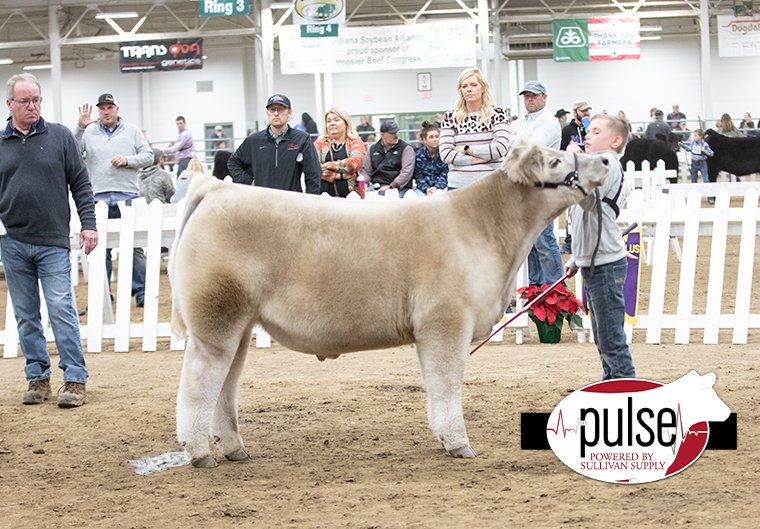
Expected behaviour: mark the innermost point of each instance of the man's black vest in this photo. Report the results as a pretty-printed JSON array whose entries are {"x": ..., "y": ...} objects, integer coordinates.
[{"x": 387, "y": 165}]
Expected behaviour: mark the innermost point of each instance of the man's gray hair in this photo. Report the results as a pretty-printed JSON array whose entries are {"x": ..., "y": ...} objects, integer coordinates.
[{"x": 10, "y": 88}]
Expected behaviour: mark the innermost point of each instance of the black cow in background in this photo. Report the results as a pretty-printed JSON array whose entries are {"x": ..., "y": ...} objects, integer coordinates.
[
  {"x": 663, "y": 148},
  {"x": 739, "y": 156}
]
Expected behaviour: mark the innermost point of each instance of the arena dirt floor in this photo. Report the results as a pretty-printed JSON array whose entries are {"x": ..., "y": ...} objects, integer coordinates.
[{"x": 345, "y": 443}]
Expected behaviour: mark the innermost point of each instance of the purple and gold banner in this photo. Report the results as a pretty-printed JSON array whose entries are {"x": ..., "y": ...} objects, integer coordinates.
[
  {"x": 631, "y": 287},
  {"x": 633, "y": 274}
]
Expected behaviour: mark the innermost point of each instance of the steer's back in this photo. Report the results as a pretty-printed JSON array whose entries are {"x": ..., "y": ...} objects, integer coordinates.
[{"x": 324, "y": 276}]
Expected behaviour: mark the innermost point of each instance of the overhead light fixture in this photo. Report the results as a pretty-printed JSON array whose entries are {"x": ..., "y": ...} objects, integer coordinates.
[
  {"x": 104, "y": 16},
  {"x": 6, "y": 61},
  {"x": 650, "y": 28},
  {"x": 656, "y": 37},
  {"x": 38, "y": 67}
]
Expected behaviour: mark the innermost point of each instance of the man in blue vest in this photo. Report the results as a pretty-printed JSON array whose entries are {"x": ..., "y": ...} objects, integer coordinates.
[{"x": 390, "y": 162}]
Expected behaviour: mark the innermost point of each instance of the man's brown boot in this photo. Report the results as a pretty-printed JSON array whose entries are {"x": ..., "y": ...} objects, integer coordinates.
[
  {"x": 38, "y": 392},
  {"x": 74, "y": 394}
]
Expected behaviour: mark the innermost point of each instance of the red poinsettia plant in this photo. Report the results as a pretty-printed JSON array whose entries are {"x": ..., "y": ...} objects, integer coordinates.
[{"x": 558, "y": 305}]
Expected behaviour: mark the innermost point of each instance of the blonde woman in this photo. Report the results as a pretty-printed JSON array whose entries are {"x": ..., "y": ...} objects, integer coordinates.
[
  {"x": 474, "y": 136},
  {"x": 341, "y": 153},
  {"x": 194, "y": 166}
]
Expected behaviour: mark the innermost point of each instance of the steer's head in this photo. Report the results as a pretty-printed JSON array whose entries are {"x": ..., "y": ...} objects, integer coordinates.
[{"x": 530, "y": 164}]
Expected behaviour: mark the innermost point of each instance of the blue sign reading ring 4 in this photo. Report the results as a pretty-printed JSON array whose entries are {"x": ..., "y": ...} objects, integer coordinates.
[{"x": 222, "y": 8}]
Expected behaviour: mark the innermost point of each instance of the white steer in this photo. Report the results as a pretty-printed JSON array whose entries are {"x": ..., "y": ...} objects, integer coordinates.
[{"x": 327, "y": 277}]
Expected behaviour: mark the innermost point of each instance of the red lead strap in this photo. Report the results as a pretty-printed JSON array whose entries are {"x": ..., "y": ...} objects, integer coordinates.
[{"x": 526, "y": 307}]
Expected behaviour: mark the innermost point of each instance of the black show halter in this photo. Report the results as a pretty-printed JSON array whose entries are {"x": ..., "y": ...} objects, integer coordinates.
[{"x": 571, "y": 180}]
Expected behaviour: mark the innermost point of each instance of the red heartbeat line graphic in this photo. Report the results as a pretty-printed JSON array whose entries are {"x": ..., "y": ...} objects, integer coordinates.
[
  {"x": 679, "y": 424},
  {"x": 564, "y": 430}
]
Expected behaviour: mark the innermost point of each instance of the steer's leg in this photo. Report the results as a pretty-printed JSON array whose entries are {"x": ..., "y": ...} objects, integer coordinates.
[
  {"x": 204, "y": 371},
  {"x": 225, "y": 424},
  {"x": 442, "y": 357}
]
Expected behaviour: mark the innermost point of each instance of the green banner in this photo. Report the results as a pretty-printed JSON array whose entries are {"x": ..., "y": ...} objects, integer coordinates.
[
  {"x": 222, "y": 8},
  {"x": 570, "y": 38}
]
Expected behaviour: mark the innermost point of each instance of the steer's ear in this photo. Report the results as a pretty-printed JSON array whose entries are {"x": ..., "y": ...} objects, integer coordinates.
[{"x": 525, "y": 161}]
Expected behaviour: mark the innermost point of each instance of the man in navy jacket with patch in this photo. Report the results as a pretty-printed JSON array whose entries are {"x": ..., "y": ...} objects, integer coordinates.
[{"x": 276, "y": 157}]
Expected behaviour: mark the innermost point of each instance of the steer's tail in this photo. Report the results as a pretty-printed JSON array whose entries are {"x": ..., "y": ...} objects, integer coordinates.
[{"x": 199, "y": 187}]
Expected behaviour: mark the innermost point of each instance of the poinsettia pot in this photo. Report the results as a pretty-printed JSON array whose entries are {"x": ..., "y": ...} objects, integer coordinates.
[{"x": 548, "y": 333}]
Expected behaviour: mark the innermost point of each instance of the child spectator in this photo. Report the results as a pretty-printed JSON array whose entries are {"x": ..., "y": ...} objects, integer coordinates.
[
  {"x": 430, "y": 172},
  {"x": 699, "y": 150},
  {"x": 600, "y": 252}
]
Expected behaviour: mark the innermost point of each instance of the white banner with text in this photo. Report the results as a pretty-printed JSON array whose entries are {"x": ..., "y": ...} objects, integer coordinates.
[
  {"x": 443, "y": 45},
  {"x": 738, "y": 36}
]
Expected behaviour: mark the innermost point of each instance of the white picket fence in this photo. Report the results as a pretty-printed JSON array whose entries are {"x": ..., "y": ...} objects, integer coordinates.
[{"x": 662, "y": 215}]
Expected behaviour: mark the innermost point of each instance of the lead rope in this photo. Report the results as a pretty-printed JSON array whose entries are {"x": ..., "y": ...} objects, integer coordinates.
[
  {"x": 599, "y": 231},
  {"x": 526, "y": 307}
]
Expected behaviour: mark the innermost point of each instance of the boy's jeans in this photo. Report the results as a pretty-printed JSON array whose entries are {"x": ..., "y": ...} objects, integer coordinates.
[
  {"x": 25, "y": 264},
  {"x": 696, "y": 167},
  {"x": 604, "y": 291}
]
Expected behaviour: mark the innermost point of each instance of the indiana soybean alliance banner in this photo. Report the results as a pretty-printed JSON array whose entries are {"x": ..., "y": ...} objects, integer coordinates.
[
  {"x": 379, "y": 48},
  {"x": 596, "y": 39}
]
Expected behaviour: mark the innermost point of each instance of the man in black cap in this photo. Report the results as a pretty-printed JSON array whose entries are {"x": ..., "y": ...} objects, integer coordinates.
[
  {"x": 390, "y": 162},
  {"x": 561, "y": 115},
  {"x": 115, "y": 151},
  {"x": 658, "y": 126},
  {"x": 276, "y": 157}
]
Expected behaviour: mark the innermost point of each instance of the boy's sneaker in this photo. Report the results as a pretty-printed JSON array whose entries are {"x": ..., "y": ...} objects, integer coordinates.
[
  {"x": 38, "y": 392},
  {"x": 74, "y": 394}
]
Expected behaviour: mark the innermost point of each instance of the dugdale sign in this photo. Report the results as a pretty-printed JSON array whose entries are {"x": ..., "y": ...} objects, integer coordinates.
[{"x": 633, "y": 430}]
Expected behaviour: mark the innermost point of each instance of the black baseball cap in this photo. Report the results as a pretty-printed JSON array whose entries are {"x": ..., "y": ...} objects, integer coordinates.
[
  {"x": 389, "y": 126},
  {"x": 279, "y": 99},
  {"x": 107, "y": 98}
]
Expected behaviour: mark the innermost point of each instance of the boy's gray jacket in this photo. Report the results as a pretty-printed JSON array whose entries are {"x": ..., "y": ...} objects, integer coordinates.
[
  {"x": 99, "y": 149},
  {"x": 585, "y": 224}
]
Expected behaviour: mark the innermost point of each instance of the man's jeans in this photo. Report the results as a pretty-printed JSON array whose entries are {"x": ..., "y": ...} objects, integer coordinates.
[
  {"x": 696, "y": 167},
  {"x": 24, "y": 265},
  {"x": 544, "y": 260},
  {"x": 604, "y": 291},
  {"x": 138, "y": 264}
]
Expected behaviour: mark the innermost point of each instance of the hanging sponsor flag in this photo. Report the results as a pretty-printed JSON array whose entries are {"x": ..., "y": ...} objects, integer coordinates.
[
  {"x": 319, "y": 12},
  {"x": 738, "y": 36},
  {"x": 418, "y": 46},
  {"x": 595, "y": 39},
  {"x": 613, "y": 39},
  {"x": 161, "y": 55}
]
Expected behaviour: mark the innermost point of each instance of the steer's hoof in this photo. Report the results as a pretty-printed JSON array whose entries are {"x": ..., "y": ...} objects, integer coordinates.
[
  {"x": 204, "y": 462},
  {"x": 238, "y": 455},
  {"x": 462, "y": 451}
]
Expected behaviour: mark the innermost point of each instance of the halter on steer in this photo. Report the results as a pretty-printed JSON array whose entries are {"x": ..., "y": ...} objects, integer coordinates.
[{"x": 571, "y": 180}]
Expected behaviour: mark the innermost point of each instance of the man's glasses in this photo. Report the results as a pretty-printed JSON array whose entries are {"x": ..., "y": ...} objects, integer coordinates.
[{"x": 35, "y": 101}]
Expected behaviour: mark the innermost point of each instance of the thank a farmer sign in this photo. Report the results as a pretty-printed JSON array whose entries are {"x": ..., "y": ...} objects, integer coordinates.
[{"x": 596, "y": 39}]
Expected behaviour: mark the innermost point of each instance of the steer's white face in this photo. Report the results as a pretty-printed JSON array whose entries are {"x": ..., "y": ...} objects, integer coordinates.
[{"x": 528, "y": 163}]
